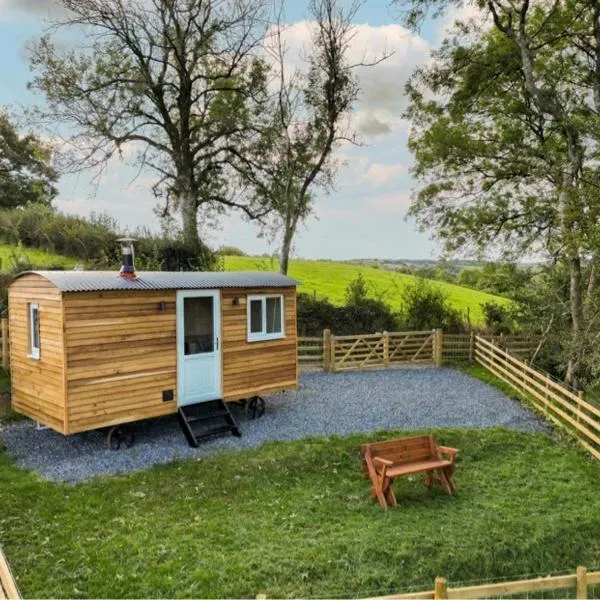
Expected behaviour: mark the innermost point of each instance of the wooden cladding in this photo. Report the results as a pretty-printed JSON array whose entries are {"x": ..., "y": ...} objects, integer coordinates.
[
  {"x": 260, "y": 367},
  {"x": 38, "y": 384},
  {"x": 121, "y": 355},
  {"x": 108, "y": 357}
]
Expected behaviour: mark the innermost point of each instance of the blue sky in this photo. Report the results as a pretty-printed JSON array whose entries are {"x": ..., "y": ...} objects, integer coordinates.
[{"x": 363, "y": 217}]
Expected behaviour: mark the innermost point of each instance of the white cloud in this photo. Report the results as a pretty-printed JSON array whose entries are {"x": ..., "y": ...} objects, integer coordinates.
[
  {"x": 396, "y": 203},
  {"x": 379, "y": 174},
  {"x": 11, "y": 9}
]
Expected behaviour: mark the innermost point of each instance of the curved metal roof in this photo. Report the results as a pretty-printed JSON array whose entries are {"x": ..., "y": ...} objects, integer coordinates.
[{"x": 96, "y": 281}]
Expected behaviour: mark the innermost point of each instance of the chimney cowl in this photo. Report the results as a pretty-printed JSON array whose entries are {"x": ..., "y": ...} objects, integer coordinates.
[{"x": 127, "y": 270}]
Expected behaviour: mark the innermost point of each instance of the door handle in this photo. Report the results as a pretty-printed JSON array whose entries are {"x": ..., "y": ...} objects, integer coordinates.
[{"x": 217, "y": 343}]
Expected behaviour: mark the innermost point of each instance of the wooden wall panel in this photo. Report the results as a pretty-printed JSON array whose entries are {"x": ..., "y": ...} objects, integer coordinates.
[
  {"x": 121, "y": 356},
  {"x": 38, "y": 386},
  {"x": 256, "y": 368}
]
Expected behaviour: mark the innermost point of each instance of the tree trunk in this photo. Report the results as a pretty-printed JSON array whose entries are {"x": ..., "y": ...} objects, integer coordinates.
[
  {"x": 189, "y": 215},
  {"x": 286, "y": 246}
]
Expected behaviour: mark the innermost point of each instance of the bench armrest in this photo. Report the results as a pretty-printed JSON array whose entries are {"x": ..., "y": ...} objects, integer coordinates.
[
  {"x": 383, "y": 461},
  {"x": 446, "y": 450}
]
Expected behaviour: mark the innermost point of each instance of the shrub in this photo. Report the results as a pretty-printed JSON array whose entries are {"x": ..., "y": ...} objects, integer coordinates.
[{"x": 425, "y": 306}]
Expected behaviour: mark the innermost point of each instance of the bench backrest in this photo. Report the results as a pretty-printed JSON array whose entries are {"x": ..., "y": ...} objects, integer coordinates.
[{"x": 405, "y": 450}]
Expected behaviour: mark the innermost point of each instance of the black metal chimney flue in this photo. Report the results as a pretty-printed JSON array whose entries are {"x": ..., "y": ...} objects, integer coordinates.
[{"x": 127, "y": 258}]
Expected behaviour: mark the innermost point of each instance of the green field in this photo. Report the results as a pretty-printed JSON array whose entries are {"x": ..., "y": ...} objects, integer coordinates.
[
  {"x": 38, "y": 259},
  {"x": 295, "y": 519},
  {"x": 328, "y": 279}
]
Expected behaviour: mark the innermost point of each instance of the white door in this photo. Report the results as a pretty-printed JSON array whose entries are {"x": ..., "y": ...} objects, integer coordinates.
[{"x": 198, "y": 346}]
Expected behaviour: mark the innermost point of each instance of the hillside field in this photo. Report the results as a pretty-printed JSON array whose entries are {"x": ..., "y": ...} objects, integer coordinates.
[
  {"x": 329, "y": 279},
  {"x": 39, "y": 259}
]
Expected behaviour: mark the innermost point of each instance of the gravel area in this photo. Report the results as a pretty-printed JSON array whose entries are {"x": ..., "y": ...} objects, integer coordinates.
[{"x": 335, "y": 404}]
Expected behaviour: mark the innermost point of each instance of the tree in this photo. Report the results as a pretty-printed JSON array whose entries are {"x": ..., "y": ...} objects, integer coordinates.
[
  {"x": 507, "y": 150},
  {"x": 179, "y": 79},
  {"x": 26, "y": 171},
  {"x": 304, "y": 122}
]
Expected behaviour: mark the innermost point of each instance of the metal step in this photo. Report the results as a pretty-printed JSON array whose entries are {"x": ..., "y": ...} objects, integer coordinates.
[{"x": 201, "y": 413}]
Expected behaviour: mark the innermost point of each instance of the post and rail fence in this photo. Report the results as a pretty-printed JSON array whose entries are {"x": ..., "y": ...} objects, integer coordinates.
[
  {"x": 580, "y": 581},
  {"x": 8, "y": 586},
  {"x": 333, "y": 353}
]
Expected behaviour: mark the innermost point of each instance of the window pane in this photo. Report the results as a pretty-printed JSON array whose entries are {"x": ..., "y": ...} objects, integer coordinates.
[
  {"x": 274, "y": 315},
  {"x": 35, "y": 328},
  {"x": 256, "y": 316},
  {"x": 198, "y": 325}
]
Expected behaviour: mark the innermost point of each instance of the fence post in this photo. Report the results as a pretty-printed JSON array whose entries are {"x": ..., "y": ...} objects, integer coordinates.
[
  {"x": 441, "y": 588},
  {"x": 332, "y": 353},
  {"x": 326, "y": 350},
  {"x": 581, "y": 583},
  {"x": 5, "y": 357},
  {"x": 438, "y": 347},
  {"x": 471, "y": 346},
  {"x": 386, "y": 348},
  {"x": 581, "y": 395}
]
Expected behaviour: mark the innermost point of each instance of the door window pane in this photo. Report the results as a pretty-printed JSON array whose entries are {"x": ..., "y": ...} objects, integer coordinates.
[
  {"x": 255, "y": 316},
  {"x": 198, "y": 325},
  {"x": 274, "y": 315}
]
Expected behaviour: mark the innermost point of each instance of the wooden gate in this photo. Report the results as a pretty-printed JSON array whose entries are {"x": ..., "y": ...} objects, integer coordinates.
[{"x": 349, "y": 352}]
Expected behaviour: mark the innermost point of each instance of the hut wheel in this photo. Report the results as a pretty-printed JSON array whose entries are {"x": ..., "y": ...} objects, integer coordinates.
[
  {"x": 118, "y": 434},
  {"x": 255, "y": 407}
]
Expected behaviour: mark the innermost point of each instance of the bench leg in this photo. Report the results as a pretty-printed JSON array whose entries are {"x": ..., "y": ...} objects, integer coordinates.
[
  {"x": 448, "y": 472},
  {"x": 428, "y": 478},
  {"x": 389, "y": 494},
  {"x": 446, "y": 485}
]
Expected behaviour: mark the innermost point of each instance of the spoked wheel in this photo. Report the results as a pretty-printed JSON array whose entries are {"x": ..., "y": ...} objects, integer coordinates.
[
  {"x": 120, "y": 434},
  {"x": 255, "y": 407}
]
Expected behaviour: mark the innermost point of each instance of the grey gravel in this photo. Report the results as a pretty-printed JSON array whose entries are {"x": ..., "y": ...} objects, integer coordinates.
[{"x": 334, "y": 404}]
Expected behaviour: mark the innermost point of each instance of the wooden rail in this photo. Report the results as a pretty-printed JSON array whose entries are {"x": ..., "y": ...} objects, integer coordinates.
[
  {"x": 8, "y": 586},
  {"x": 4, "y": 341},
  {"x": 581, "y": 581},
  {"x": 565, "y": 408},
  {"x": 362, "y": 351}
]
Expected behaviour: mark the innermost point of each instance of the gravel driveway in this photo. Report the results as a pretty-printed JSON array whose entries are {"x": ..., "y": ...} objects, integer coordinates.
[{"x": 334, "y": 404}]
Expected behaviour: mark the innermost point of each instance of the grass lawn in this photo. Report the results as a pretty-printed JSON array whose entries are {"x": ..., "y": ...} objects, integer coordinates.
[
  {"x": 296, "y": 519},
  {"x": 329, "y": 279},
  {"x": 40, "y": 259}
]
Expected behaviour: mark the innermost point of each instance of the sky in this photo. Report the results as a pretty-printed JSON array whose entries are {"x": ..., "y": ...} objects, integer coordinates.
[{"x": 364, "y": 216}]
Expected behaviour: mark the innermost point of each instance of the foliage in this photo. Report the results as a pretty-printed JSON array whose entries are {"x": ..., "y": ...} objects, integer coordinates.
[
  {"x": 498, "y": 318},
  {"x": 251, "y": 517},
  {"x": 26, "y": 171},
  {"x": 329, "y": 280},
  {"x": 178, "y": 83},
  {"x": 505, "y": 133},
  {"x": 93, "y": 241},
  {"x": 425, "y": 306},
  {"x": 304, "y": 121},
  {"x": 230, "y": 251}
]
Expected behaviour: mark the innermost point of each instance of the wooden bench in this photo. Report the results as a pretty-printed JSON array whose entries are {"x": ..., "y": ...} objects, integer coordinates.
[{"x": 384, "y": 461}]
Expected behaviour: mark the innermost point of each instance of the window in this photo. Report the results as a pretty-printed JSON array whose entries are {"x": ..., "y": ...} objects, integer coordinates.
[
  {"x": 265, "y": 318},
  {"x": 34, "y": 331}
]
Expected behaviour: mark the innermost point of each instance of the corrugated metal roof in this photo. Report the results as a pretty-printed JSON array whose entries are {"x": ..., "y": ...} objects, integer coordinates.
[{"x": 96, "y": 281}]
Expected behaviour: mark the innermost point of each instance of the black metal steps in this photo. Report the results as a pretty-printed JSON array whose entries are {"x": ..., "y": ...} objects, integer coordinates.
[{"x": 197, "y": 421}]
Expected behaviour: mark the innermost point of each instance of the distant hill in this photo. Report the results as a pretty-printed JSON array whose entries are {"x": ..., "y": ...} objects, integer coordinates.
[{"x": 329, "y": 279}]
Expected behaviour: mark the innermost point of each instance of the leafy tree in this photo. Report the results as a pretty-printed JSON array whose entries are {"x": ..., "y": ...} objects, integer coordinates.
[
  {"x": 304, "y": 122},
  {"x": 26, "y": 171},
  {"x": 506, "y": 151},
  {"x": 178, "y": 79},
  {"x": 356, "y": 291}
]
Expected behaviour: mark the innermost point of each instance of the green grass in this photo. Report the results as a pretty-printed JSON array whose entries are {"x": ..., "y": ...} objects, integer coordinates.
[
  {"x": 296, "y": 519},
  {"x": 329, "y": 280},
  {"x": 39, "y": 259}
]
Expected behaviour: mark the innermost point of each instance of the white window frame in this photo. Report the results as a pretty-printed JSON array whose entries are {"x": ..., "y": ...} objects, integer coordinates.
[
  {"x": 263, "y": 335},
  {"x": 34, "y": 351}
]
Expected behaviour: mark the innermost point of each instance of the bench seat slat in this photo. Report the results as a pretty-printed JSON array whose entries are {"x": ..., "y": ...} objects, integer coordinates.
[{"x": 417, "y": 467}]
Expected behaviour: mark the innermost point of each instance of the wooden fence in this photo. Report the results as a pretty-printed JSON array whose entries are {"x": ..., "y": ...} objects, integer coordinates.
[
  {"x": 580, "y": 581},
  {"x": 567, "y": 409},
  {"x": 8, "y": 587},
  {"x": 341, "y": 353}
]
